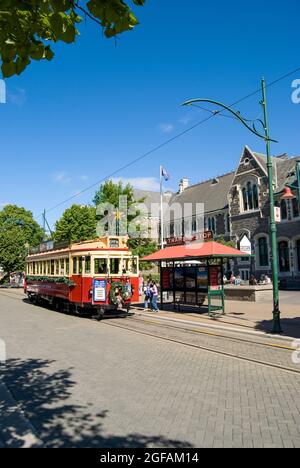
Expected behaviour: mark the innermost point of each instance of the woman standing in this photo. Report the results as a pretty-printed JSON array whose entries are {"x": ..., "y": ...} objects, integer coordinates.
[{"x": 154, "y": 297}]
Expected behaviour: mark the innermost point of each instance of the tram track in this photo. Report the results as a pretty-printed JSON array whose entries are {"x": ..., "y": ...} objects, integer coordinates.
[
  {"x": 237, "y": 356},
  {"x": 274, "y": 347},
  {"x": 218, "y": 335}
]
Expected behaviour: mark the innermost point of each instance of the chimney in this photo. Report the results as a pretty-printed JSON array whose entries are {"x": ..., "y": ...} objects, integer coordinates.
[{"x": 184, "y": 183}]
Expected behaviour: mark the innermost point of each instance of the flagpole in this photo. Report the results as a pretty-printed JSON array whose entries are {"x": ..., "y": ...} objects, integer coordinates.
[{"x": 161, "y": 210}]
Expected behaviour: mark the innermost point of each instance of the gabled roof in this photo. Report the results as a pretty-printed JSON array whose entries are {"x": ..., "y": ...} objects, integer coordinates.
[
  {"x": 283, "y": 166},
  {"x": 213, "y": 193},
  {"x": 150, "y": 197},
  {"x": 195, "y": 250}
]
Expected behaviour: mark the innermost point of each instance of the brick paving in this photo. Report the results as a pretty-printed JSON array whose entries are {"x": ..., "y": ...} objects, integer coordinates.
[{"x": 83, "y": 383}]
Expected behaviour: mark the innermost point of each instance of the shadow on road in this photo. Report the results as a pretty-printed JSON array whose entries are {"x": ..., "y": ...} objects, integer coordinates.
[
  {"x": 43, "y": 395},
  {"x": 290, "y": 327}
]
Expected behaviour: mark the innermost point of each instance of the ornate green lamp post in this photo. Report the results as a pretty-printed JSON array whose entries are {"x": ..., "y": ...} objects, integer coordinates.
[{"x": 273, "y": 229}]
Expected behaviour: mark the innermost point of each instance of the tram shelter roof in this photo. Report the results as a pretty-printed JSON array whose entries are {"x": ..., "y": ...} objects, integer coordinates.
[{"x": 195, "y": 250}]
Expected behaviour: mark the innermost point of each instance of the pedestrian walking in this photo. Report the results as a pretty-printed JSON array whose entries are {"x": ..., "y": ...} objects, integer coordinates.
[
  {"x": 147, "y": 293},
  {"x": 154, "y": 297},
  {"x": 141, "y": 285}
]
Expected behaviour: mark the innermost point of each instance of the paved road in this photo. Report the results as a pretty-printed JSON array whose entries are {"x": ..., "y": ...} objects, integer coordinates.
[{"x": 83, "y": 383}]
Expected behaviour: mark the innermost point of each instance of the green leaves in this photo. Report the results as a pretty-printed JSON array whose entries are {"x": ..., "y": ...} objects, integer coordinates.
[
  {"x": 8, "y": 69},
  {"x": 77, "y": 223},
  {"x": 27, "y": 27},
  {"x": 17, "y": 230},
  {"x": 115, "y": 15}
]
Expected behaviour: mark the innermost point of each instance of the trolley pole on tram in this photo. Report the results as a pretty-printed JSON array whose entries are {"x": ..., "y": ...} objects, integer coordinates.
[{"x": 273, "y": 229}]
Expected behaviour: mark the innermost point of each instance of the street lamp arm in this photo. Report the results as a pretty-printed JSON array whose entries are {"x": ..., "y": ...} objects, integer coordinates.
[{"x": 235, "y": 113}]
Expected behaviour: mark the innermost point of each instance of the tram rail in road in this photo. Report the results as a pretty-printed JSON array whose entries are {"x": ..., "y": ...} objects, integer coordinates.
[{"x": 231, "y": 345}]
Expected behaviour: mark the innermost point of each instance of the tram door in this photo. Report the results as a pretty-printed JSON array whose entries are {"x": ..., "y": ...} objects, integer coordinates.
[{"x": 77, "y": 278}]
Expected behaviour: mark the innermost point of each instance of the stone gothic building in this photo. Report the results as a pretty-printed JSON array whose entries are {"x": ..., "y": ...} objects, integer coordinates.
[{"x": 236, "y": 207}]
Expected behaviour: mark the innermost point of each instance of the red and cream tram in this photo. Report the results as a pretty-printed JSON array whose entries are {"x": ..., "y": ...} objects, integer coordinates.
[{"x": 84, "y": 277}]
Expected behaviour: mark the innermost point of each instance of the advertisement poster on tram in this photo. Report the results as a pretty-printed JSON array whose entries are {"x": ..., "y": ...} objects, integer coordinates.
[{"x": 99, "y": 290}]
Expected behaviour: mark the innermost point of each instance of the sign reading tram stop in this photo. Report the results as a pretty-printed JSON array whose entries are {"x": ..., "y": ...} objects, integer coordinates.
[{"x": 193, "y": 274}]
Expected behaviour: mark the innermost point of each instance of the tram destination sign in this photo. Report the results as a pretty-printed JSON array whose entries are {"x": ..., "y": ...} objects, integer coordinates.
[{"x": 183, "y": 240}]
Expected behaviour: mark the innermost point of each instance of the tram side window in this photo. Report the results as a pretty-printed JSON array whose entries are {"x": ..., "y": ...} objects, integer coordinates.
[
  {"x": 80, "y": 265},
  {"x": 88, "y": 265},
  {"x": 100, "y": 266},
  {"x": 74, "y": 265},
  {"x": 67, "y": 266},
  {"x": 57, "y": 267},
  {"x": 114, "y": 266},
  {"x": 52, "y": 267},
  {"x": 44, "y": 268},
  {"x": 33, "y": 270},
  {"x": 62, "y": 267},
  {"x": 48, "y": 267}
]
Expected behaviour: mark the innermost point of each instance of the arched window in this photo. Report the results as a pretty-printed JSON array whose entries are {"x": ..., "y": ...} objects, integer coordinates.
[
  {"x": 250, "y": 195},
  {"x": 211, "y": 223},
  {"x": 284, "y": 211},
  {"x": 228, "y": 226},
  {"x": 295, "y": 204},
  {"x": 255, "y": 197},
  {"x": 298, "y": 253},
  {"x": 284, "y": 256},
  {"x": 245, "y": 199},
  {"x": 263, "y": 252}
]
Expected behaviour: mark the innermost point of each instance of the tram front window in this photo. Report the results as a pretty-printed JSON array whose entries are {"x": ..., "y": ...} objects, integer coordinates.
[
  {"x": 134, "y": 265},
  {"x": 100, "y": 266},
  {"x": 87, "y": 265},
  {"x": 114, "y": 266}
]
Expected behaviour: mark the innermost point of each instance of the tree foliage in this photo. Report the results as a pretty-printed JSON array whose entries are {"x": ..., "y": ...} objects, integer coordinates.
[
  {"x": 77, "y": 223},
  {"x": 18, "y": 231},
  {"x": 110, "y": 192},
  {"x": 28, "y": 28},
  {"x": 12, "y": 250}
]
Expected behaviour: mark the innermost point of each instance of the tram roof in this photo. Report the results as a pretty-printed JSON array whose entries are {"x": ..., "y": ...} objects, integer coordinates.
[
  {"x": 101, "y": 244},
  {"x": 195, "y": 250}
]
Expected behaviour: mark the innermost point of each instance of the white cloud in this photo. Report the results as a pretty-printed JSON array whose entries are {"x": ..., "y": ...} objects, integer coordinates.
[
  {"x": 2, "y": 205},
  {"x": 84, "y": 177},
  {"x": 166, "y": 127},
  {"x": 16, "y": 96},
  {"x": 142, "y": 183},
  {"x": 186, "y": 120},
  {"x": 62, "y": 177}
]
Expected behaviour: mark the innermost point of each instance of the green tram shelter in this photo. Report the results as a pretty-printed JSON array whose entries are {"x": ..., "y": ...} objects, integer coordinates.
[{"x": 191, "y": 273}]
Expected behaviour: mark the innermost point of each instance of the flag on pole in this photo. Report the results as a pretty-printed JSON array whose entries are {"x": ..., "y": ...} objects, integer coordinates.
[{"x": 164, "y": 174}]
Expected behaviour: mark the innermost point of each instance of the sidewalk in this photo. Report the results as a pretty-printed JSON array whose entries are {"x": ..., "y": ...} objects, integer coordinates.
[
  {"x": 243, "y": 316},
  {"x": 15, "y": 430}
]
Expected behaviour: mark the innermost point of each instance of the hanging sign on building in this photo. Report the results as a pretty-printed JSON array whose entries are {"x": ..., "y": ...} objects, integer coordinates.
[
  {"x": 277, "y": 213},
  {"x": 245, "y": 245}
]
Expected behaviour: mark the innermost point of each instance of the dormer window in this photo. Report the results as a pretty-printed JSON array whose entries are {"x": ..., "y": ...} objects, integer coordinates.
[{"x": 250, "y": 196}]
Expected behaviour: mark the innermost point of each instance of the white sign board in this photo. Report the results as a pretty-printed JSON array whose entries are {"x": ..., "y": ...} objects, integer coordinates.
[
  {"x": 277, "y": 212},
  {"x": 245, "y": 245}
]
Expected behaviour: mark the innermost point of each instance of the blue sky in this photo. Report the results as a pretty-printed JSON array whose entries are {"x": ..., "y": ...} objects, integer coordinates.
[{"x": 96, "y": 107}]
